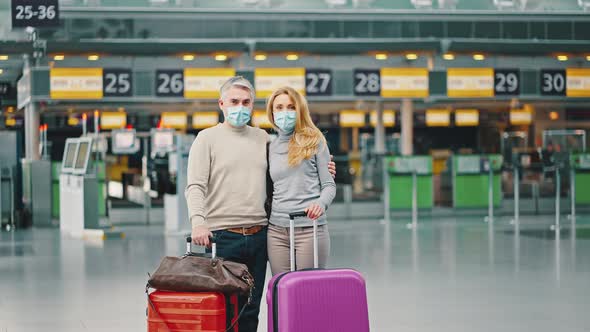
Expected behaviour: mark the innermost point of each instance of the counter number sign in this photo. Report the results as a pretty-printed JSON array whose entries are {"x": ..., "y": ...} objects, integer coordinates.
[{"x": 35, "y": 13}]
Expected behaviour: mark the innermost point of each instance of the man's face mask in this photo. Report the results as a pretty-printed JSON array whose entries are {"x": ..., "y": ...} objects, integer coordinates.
[{"x": 238, "y": 116}]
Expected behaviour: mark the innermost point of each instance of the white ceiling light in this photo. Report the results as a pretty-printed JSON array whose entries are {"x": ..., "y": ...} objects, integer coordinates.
[
  {"x": 336, "y": 3},
  {"x": 420, "y": 4}
]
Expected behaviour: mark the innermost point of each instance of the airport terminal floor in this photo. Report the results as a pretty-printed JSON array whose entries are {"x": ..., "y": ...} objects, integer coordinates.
[{"x": 451, "y": 274}]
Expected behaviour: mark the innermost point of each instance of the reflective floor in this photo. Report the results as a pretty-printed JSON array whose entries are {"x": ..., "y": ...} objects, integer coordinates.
[{"x": 448, "y": 275}]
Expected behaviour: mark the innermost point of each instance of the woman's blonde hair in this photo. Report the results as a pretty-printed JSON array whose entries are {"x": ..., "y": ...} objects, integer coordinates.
[{"x": 306, "y": 138}]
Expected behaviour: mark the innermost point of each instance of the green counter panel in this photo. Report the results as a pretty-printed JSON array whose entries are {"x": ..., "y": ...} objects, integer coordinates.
[
  {"x": 102, "y": 208},
  {"x": 55, "y": 200},
  {"x": 55, "y": 171},
  {"x": 102, "y": 190},
  {"x": 400, "y": 187},
  {"x": 471, "y": 191},
  {"x": 582, "y": 188}
]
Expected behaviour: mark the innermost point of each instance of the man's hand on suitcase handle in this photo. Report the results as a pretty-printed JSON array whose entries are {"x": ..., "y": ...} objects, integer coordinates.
[{"x": 201, "y": 236}]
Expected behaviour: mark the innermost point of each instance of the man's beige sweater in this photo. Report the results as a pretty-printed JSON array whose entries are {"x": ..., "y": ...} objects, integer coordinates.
[{"x": 226, "y": 184}]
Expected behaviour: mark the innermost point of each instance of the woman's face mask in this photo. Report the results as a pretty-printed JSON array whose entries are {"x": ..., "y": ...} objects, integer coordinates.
[
  {"x": 284, "y": 114},
  {"x": 286, "y": 120}
]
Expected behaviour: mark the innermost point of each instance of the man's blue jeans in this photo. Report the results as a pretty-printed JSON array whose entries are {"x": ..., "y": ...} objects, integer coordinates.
[{"x": 251, "y": 251}]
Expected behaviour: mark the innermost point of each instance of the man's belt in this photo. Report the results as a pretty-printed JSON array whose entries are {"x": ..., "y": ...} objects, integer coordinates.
[{"x": 246, "y": 230}]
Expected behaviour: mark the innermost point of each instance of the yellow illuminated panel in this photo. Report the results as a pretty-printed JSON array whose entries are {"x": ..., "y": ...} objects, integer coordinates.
[
  {"x": 521, "y": 117},
  {"x": 438, "y": 118},
  {"x": 176, "y": 120},
  {"x": 578, "y": 82},
  {"x": 267, "y": 80},
  {"x": 404, "y": 82},
  {"x": 202, "y": 120},
  {"x": 205, "y": 82},
  {"x": 75, "y": 83},
  {"x": 73, "y": 121},
  {"x": 388, "y": 118},
  {"x": 470, "y": 82},
  {"x": 352, "y": 119},
  {"x": 113, "y": 120},
  {"x": 466, "y": 117}
]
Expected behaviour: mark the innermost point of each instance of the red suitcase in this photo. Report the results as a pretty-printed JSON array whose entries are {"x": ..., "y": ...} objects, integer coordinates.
[
  {"x": 183, "y": 312},
  {"x": 192, "y": 311}
]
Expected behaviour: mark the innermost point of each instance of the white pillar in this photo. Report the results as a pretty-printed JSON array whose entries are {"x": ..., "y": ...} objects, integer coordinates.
[
  {"x": 32, "y": 119},
  {"x": 379, "y": 130},
  {"x": 407, "y": 111}
]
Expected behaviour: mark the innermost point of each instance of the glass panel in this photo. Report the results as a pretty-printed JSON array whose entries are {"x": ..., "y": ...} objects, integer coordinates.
[
  {"x": 559, "y": 30},
  {"x": 297, "y": 29},
  {"x": 537, "y": 30},
  {"x": 251, "y": 29},
  {"x": 582, "y": 30},
  {"x": 327, "y": 29},
  {"x": 218, "y": 29},
  {"x": 515, "y": 30},
  {"x": 387, "y": 29},
  {"x": 432, "y": 29},
  {"x": 487, "y": 30},
  {"x": 410, "y": 29},
  {"x": 356, "y": 29},
  {"x": 459, "y": 29}
]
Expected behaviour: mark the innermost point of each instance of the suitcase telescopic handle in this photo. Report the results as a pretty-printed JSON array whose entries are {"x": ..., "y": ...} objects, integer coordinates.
[
  {"x": 292, "y": 217},
  {"x": 189, "y": 242},
  {"x": 297, "y": 214}
]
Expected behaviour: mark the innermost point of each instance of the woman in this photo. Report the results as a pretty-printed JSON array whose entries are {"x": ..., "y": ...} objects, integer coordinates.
[{"x": 298, "y": 165}]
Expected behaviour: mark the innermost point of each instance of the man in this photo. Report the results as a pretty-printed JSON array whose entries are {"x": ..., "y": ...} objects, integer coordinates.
[{"x": 226, "y": 190}]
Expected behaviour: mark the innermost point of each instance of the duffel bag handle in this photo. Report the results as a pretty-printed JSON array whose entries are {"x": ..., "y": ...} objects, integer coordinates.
[{"x": 189, "y": 242}]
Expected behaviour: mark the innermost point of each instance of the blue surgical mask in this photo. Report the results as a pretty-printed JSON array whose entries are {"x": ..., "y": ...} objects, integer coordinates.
[
  {"x": 238, "y": 116},
  {"x": 286, "y": 120}
]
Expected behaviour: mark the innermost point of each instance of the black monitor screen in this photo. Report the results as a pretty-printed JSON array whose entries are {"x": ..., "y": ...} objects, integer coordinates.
[
  {"x": 81, "y": 158},
  {"x": 69, "y": 155}
]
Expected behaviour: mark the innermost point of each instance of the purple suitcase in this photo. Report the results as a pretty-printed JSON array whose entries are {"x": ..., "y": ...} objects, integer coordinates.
[{"x": 316, "y": 299}]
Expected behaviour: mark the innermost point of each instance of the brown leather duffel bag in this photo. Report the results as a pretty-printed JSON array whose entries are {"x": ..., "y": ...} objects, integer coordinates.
[{"x": 194, "y": 272}]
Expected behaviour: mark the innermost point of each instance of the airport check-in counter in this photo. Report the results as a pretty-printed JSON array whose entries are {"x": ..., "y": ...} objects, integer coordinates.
[
  {"x": 175, "y": 207},
  {"x": 401, "y": 171},
  {"x": 471, "y": 180},
  {"x": 580, "y": 163},
  {"x": 78, "y": 189},
  {"x": 37, "y": 198}
]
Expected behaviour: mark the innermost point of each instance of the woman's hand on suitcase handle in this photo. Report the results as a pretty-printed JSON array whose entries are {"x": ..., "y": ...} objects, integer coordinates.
[
  {"x": 314, "y": 211},
  {"x": 201, "y": 235}
]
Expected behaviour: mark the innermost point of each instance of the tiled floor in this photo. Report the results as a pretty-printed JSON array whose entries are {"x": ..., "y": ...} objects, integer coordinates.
[{"x": 448, "y": 275}]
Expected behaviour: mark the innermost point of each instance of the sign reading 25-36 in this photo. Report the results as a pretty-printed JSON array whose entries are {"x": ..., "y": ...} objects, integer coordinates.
[{"x": 35, "y": 13}]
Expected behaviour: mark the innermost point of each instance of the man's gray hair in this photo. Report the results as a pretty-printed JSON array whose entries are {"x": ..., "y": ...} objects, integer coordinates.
[{"x": 237, "y": 81}]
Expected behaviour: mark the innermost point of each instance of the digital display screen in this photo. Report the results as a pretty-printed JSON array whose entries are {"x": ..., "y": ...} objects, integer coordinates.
[
  {"x": 124, "y": 140},
  {"x": 69, "y": 155},
  {"x": 163, "y": 140},
  {"x": 81, "y": 158}
]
